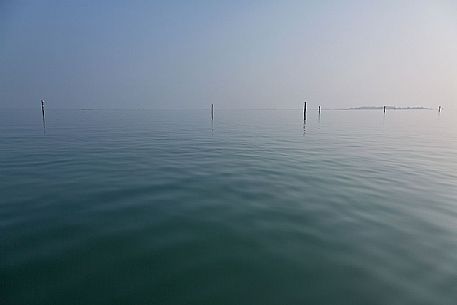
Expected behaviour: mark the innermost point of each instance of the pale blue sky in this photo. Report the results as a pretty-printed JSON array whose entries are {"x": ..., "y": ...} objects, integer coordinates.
[{"x": 236, "y": 54}]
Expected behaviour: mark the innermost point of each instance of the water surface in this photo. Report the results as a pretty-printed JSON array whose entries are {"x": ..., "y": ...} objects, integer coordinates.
[{"x": 258, "y": 207}]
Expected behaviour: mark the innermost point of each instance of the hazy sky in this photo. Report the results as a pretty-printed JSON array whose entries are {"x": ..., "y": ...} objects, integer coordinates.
[{"x": 236, "y": 54}]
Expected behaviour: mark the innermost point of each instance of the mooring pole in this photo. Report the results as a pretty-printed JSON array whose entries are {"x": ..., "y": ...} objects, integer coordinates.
[
  {"x": 42, "y": 108},
  {"x": 212, "y": 112},
  {"x": 439, "y": 108},
  {"x": 319, "y": 109},
  {"x": 304, "y": 111},
  {"x": 384, "y": 109},
  {"x": 42, "y": 113}
]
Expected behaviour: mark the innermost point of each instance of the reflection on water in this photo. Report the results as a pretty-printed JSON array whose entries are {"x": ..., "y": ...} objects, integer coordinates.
[
  {"x": 152, "y": 207},
  {"x": 304, "y": 126}
]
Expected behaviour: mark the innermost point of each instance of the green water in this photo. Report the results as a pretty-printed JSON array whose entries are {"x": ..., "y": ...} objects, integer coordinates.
[{"x": 164, "y": 207}]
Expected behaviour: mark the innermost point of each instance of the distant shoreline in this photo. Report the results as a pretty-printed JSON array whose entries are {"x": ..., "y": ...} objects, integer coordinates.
[{"x": 387, "y": 108}]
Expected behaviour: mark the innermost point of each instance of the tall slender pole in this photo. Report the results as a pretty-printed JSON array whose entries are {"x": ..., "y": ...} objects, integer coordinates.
[
  {"x": 212, "y": 112},
  {"x": 304, "y": 111},
  {"x": 439, "y": 108},
  {"x": 384, "y": 109},
  {"x": 319, "y": 109},
  {"x": 42, "y": 113}
]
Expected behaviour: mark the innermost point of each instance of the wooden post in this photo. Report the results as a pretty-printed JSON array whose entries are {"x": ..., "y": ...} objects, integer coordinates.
[
  {"x": 319, "y": 109},
  {"x": 42, "y": 113},
  {"x": 212, "y": 112},
  {"x": 304, "y": 111},
  {"x": 439, "y": 108},
  {"x": 42, "y": 108},
  {"x": 384, "y": 109}
]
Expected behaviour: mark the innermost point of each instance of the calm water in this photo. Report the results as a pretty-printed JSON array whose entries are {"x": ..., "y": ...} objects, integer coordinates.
[{"x": 162, "y": 207}]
